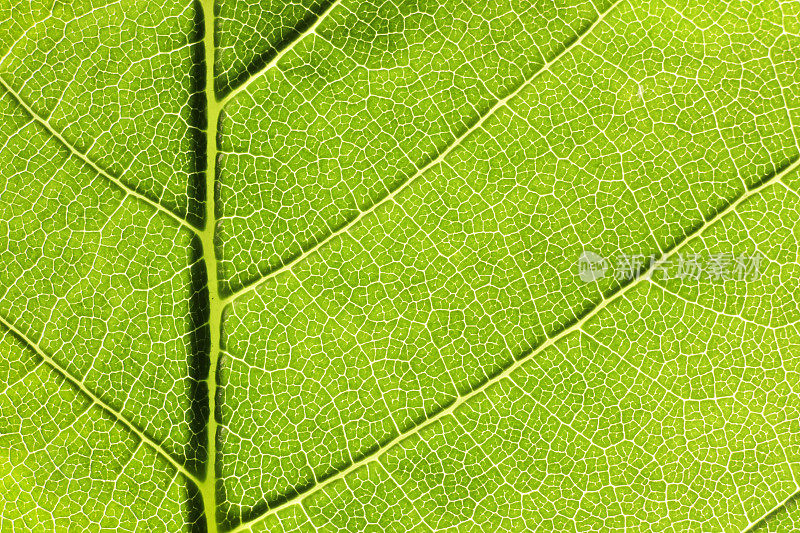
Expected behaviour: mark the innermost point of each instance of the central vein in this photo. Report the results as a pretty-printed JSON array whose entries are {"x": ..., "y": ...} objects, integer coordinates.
[{"x": 213, "y": 108}]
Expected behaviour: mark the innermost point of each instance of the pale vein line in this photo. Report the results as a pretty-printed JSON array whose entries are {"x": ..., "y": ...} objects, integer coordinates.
[
  {"x": 208, "y": 489},
  {"x": 441, "y": 157},
  {"x": 783, "y": 93},
  {"x": 416, "y": 516},
  {"x": 766, "y": 516},
  {"x": 577, "y": 326},
  {"x": 274, "y": 61},
  {"x": 96, "y": 399},
  {"x": 83, "y": 157}
]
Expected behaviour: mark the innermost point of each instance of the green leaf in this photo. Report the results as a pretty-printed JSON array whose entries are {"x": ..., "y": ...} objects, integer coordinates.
[{"x": 344, "y": 265}]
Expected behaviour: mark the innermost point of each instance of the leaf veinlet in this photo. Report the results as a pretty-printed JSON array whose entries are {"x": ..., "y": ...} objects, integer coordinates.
[
  {"x": 434, "y": 161},
  {"x": 506, "y": 372},
  {"x": 91, "y": 451},
  {"x": 231, "y": 297}
]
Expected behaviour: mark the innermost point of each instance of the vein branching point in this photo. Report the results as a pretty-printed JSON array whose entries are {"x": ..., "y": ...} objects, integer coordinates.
[{"x": 344, "y": 265}]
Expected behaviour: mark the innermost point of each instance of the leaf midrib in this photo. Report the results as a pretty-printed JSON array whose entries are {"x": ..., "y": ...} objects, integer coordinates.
[{"x": 215, "y": 107}]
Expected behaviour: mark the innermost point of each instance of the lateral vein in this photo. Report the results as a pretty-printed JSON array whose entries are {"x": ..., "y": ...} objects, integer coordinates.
[
  {"x": 772, "y": 512},
  {"x": 83, "y": 157},
  {"x": 576, "y": 326},
  {"x": 274, "y": 61},
  {"x": 441, "y": 157},
  {"x": 96, "y": 399}
]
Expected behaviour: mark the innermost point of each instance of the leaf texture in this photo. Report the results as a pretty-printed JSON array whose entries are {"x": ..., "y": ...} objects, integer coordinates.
[{"x": 312, "y": 265}]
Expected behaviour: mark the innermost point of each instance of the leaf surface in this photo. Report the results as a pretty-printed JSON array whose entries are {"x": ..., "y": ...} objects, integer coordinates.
[{"x": 350, "y": 231}]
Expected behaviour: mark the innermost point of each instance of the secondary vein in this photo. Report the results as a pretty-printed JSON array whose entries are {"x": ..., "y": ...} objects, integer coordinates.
[
  {"x": 455, "y": 143},
  {"x": 766, "y": 516},
  {"x": 577, "y": 326},
  {"x": 274, "y": 61},
  {"x": 83, "y": 157},
  {"x": 99, "y": 401}
]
